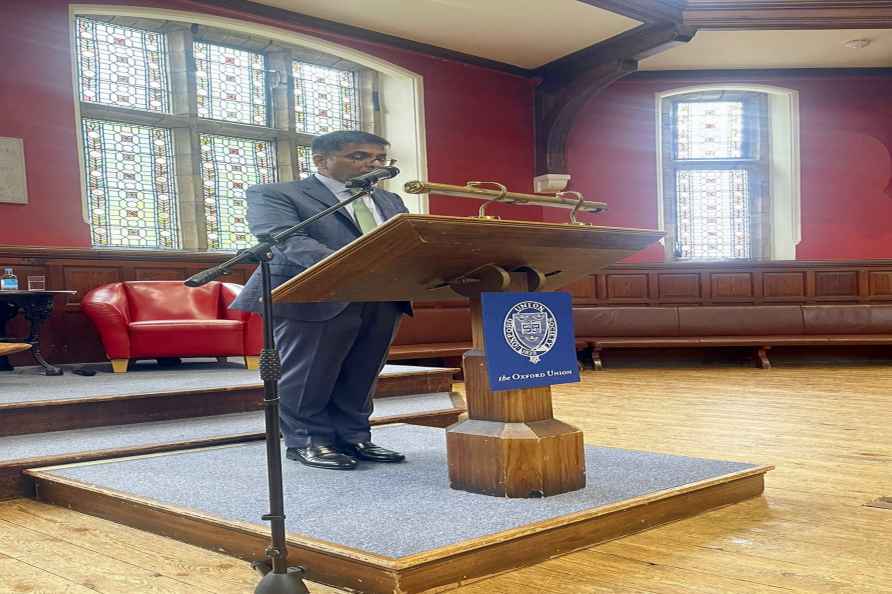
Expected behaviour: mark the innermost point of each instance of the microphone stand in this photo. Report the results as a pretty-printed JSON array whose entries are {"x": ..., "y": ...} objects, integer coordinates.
[{"x": 278, "y": 577}]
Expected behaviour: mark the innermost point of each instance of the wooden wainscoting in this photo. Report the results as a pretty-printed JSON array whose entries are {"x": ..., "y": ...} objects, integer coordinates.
[
  {"x": 757, "y": 283},
  {"x": 69, "y": 337}
]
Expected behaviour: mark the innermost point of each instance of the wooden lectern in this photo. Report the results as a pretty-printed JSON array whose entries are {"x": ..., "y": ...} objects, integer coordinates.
[{"x": 510, "y": 445}]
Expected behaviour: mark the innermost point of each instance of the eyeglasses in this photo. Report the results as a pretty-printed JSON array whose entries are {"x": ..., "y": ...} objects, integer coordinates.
[{"x": 363, "y": 157}]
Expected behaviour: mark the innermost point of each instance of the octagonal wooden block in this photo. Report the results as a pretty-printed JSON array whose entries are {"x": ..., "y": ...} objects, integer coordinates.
[{"x": 532, "y": 459}]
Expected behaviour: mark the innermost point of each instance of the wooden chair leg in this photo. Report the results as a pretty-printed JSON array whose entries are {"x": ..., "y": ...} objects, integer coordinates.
[
  {"x": 252, "y": 362},
  {"x": 8, "y": 348},
  {"x": 762, "y": 356},
  {"x": 120, "y": 365},
  {"x": 597, "y": 364}
]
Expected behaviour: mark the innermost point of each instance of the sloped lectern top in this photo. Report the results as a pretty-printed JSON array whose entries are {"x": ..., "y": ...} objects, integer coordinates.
[{"x": 413, "y": 257}]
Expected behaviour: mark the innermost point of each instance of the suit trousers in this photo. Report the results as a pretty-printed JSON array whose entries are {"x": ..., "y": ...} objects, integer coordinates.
[{"x": 329, "y": 372}]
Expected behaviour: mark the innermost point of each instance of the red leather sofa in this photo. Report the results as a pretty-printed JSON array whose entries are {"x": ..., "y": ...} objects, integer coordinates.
[{"x": 166, "y": 319}]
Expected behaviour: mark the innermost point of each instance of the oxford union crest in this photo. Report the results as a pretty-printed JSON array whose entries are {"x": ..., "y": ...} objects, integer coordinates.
[{"x": 530, "y": 329}]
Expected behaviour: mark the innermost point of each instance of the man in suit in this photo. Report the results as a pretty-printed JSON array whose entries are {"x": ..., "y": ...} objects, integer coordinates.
[{"x": 332, "y": 352}]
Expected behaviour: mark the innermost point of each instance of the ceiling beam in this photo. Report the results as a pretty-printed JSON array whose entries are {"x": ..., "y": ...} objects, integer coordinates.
[
  {"x": 788, "y": 14},
  {"x": 646, "y": 11}
]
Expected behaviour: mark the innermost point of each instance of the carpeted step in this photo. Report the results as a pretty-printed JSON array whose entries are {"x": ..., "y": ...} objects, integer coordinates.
[
  {"x": 21, "y": 452},
  {"x": 31, "y": 402}
]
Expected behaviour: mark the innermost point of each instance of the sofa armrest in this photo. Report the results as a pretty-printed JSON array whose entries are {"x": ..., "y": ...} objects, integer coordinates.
[
  {"x": 107, "y": 308},
  {"x": 253, "y": 322},
  {"x": 228, "y": 293}
]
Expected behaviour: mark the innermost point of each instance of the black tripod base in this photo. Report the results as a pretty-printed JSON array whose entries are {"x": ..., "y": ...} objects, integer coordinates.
[{"x": 281, "y": 583}]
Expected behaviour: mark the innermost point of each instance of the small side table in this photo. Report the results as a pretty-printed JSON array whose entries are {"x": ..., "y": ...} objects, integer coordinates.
[{"x": 37, "y": 307}]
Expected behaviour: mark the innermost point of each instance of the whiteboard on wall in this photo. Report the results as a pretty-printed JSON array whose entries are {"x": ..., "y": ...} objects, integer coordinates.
[{"x": 13, "y": 184}]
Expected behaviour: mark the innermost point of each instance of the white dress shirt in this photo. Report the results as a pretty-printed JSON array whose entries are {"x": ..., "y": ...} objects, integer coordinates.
[{"x": 340, "y": 190}]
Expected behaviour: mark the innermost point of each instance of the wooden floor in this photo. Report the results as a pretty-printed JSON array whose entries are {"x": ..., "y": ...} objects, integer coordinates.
[{"x": 827, "y": 429}]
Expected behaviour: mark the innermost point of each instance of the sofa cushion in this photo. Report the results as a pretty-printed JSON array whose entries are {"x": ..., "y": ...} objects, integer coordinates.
[
  {"x": 847, "y": 319},
  {"x": 599, "y": 322},
  {"x": 186, "y": 338},
  {"x": 750, "y": 320},
  {"x": 172, "y": 300}
]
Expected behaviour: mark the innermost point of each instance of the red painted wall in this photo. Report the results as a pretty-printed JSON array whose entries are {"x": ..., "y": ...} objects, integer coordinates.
[
  {"x": 846, "y": 170},
  {"x": 478, "y": 121}
]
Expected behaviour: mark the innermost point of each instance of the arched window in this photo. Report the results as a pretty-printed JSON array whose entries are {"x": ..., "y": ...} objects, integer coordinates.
[
  {"x": 730, "y": 177},
  {"x": 180, "y": 114}
]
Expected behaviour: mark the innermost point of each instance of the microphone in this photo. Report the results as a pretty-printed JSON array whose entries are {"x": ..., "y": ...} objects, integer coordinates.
[{"x": 367, "y": 180}]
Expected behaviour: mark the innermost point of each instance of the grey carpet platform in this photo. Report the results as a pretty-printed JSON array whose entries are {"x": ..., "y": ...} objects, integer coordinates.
[
  {"x": 28, "y": 384},
  {"x": 389, "y": 510},
  {"x": 58, "y": 443}
]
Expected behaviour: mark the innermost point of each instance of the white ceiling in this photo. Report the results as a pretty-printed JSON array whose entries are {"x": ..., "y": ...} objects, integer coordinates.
[
  {"x": 776, "y": 49},
  {"x": 529, "y": 33},
  {"x": 526, "y": 33}
]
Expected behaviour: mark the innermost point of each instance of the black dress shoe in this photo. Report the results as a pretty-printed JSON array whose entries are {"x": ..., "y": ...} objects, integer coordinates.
[
  {"x": 366, "y": 450},
  {"x": 321, "y": 456}
]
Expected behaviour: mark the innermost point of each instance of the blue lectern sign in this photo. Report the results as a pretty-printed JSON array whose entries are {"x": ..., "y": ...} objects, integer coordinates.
[{"x": 529, "y": 340}]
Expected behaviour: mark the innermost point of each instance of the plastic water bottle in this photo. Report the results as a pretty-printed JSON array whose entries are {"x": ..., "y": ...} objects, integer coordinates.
[{"x": 9, "y": 281}]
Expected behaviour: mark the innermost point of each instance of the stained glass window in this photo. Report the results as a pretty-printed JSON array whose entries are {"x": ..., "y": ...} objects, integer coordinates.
[
  {"x": 715, "y": 174},
  {"x": 229, "y": 166},
  {"x": 712, "y": 218},
  {"x": 325, "y": 99},
  {"x": 124, "y": 70},
  {"x": 131, "y": 189},
  {"x": 305, "y": 166},
  {"x": 122, "y": 66},
  {"x": 709, "y": 130},
  {"x": 231, "y": 84}
]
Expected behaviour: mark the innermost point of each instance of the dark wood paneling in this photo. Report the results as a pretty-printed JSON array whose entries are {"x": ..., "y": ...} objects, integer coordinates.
[
  {"x": 627, "y": 286},
  {"x": 880, "y": 284},
  {"x": 84, "y": 278},
  {"x": 732, "y": 285},
  {"x": 679, "y": 286},
  {"x": 836, "y": 284},
  {"x": 859, "y": 281},
  {"x": 783, "y": 284},
  {"x": 153, "y": 274},
  {"x": 582, "y": 289}
]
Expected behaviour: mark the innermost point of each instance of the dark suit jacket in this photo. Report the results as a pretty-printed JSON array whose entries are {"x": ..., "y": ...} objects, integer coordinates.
[{"x": 275, "y": 207}]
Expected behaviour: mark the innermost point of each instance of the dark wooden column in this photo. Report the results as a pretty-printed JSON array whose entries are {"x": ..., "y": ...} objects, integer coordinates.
[{"x": 568, "y": 83}]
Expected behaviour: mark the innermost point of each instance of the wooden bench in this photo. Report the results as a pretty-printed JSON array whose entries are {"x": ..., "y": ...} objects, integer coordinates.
[
  {"x": 757, "y": 326},
  {"x": 433, "y": 332}
]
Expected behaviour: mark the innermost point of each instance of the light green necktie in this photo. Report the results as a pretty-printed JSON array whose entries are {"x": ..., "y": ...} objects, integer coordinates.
[{"x": 364, "y": 217}]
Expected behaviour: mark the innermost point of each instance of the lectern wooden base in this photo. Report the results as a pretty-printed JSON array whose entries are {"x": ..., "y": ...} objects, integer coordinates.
[
  {"x": 534, "y": 459},
  {"x": 511, "y": 445}
]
